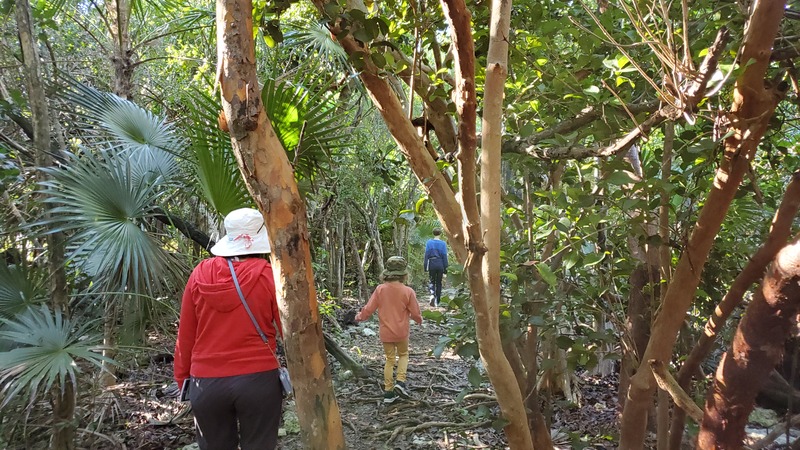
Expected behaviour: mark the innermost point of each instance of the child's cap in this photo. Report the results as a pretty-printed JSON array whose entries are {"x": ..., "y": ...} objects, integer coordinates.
[{"x": 395, "y": 266}]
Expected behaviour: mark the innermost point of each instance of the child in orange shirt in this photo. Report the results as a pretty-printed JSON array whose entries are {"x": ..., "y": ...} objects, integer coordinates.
[{"x": 395, "y": 303}]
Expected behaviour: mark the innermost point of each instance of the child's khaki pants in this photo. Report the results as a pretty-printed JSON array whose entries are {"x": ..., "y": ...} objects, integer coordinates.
[{"x": 391, "y": 349}]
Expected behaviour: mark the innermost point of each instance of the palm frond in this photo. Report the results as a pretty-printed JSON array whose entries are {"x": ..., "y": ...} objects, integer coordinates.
[
  {"x": 305, "y": 121},
  {"x": 101, "y": 199},
  {"x": 316, "y": 38},
  {"x": 129, "y": 129},
  {"x": 216, "y": 171},
  {"x": 20, "y": 288},
  {"x": 49, "y": 347}
]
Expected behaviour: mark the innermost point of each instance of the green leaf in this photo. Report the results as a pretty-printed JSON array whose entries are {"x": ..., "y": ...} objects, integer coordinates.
[
  {"x": 592, "y": 259},
  {"x": 378, "y": 59},
  {"x": 547, "y": 274},
  {"x": 434, "y": 316},
  {"x": 499, "y": 424},
  {"x": 468, "y": 350},
  {"x": 564, "y": 342},
  {"x": 620, "y": 178},
  {"x": 474, "y": 377}
]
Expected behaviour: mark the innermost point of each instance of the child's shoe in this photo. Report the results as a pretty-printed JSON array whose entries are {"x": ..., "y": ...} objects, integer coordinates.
[
  {"x": 389, "y": 397},
  {"x": 400, "y": 388}
]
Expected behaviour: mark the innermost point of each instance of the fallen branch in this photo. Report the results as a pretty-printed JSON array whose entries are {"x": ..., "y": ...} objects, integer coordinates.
[
  {"x": 679, "y": 396},
  {"x": 422, "y": 426},
  {"x": 776, "y": 432},
  {"x": 112, "y": 439}
]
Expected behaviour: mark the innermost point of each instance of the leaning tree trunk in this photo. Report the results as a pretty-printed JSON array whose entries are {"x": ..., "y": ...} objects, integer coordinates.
[
  {"x": 757, "y": 347},
  {"x": 270, "y": 179},
  {"x": 779, "y": 233},
  {"x": 753, "y": 106},
  {"x": 63, "y": 394}
]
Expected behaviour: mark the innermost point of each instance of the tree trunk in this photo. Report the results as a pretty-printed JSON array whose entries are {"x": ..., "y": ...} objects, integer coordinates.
[
  {"x": 461, "y": 221},
  {"x": 779, "y": 233},
  {"x": 119, "y": 15},
  {"x": 757, "y": 347},
  {"x": 63, "y": 430},
  {"x": 63, "y": 416},
  {"x": 347, "y": 362},
  {"x": 270, "y": 179},
  {"x": 752, "y": 108},
  {"x": 363, "y": 287},
  {"x": 371, "y": 222},
  {"x": 637, "y": 326},
  {"x": 483, "y": 262}
]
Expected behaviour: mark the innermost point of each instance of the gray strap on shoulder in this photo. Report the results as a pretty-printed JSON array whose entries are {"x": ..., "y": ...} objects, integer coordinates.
[{"x": 244, "y": 302}]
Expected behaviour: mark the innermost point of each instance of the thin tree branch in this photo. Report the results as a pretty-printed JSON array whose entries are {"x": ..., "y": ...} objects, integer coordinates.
[{"x": 186, "y": 228}]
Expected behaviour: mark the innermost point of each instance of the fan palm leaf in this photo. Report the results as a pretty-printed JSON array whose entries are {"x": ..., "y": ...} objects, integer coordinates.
[
  {"x": 49, "y": 347},
  {"x": 148, "y": 140},
  {"x": 216, "y": 173},
  {"x": 316, "y": 38},
  {"x": 106, "y": 207},
  {"x": 20, "y": 288},
  {"x": 305, "y": 121}
]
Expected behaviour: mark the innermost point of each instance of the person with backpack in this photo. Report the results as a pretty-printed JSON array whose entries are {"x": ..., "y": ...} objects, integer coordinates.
[{"x": 435, "y": 263}]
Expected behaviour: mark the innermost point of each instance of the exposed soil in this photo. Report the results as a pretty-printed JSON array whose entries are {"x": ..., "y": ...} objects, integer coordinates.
[{"x": 445, "y": 411}]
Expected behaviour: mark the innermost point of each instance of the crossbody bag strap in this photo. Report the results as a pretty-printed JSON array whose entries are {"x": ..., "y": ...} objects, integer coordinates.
[{"x": 244, "y": 303}]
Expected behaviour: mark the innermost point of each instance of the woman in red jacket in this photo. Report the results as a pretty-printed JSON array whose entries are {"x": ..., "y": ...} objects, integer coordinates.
[{"x": 234, "y": 387}]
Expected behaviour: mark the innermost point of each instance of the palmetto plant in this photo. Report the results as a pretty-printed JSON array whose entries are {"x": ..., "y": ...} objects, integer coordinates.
[
  {"x": 49, "y": 347},
  {"x": 20, "y": 288}
]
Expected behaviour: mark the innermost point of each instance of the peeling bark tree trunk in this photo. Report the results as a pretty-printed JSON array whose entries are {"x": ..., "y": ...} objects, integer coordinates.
[
  {"x": 757, "y": 347},
  {"x": 63, "y": 395},
  {"x": 461, "y": 221},
  {"x": 753, "y": 106},
  {"x": 779, "y": 233},
  {"x": 270, "y": 179}
]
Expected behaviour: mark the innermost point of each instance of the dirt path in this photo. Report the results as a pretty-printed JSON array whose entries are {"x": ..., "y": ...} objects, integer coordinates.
[{"x": 445, "y": 412}]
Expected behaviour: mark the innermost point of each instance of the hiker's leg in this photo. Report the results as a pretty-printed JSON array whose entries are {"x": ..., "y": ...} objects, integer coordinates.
[
  {"x": 214, "y": 413},
  {"x": 402, "y": 361},
  {"x": 436, "y": 275},
  {"x": 258, "y": 406},
  {"x": 389, "y": 348}
]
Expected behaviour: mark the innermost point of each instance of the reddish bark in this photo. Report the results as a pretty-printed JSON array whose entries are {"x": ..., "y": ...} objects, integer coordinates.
[
  {"x": 637, "y": 324},
  {"x": 779, "y": 233},
  {"x": 270, "y": 179},
  {"x": 753, "y": 106},
  {"x": 757, "y": 347}
]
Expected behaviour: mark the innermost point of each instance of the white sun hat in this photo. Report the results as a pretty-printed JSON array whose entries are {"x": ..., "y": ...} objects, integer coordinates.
[{"x": 247, "y": 234}]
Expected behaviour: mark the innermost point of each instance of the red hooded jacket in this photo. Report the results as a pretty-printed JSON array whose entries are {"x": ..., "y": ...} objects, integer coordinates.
[{"x": 216, "y": 337}]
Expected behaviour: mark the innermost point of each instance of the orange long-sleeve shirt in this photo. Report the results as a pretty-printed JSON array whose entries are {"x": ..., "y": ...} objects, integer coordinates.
[{"x": 395, "y": 303}]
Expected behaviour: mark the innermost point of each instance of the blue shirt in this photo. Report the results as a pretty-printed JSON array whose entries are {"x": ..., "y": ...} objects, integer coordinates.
[{"x": 435, "y": 255}]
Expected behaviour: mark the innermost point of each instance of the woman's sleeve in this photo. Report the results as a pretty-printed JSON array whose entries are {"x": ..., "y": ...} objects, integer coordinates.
[{"x": 187, "y": 330}]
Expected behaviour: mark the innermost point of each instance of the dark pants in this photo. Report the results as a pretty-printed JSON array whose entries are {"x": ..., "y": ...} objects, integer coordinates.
[
  {"x": 243, "y": 410},
  {"x": 436, "y": 283}
]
